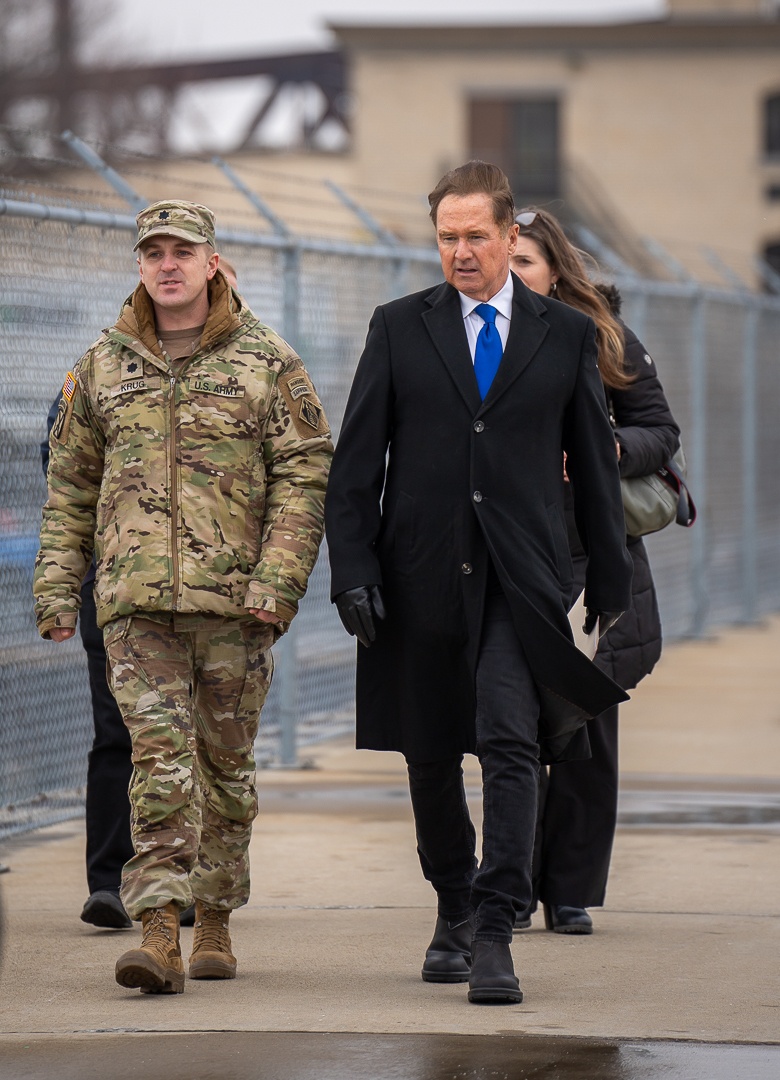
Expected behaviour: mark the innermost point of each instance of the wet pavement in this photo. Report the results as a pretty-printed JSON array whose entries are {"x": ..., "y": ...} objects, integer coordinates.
[
  {"x": 678, "y": 982},
  {"x": 717, "y": 809},
  {"x": 643, "y": 803},
  {"x": 326, "y": 1056}
]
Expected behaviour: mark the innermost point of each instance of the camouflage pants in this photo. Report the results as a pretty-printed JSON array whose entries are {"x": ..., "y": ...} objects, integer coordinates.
[{"x": 190, "y": 691}]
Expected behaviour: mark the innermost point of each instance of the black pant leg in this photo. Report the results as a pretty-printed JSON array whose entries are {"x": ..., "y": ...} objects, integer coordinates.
[
  {"x": 579, "y": 820},
  {"x": 109, "y": 765},
  {"x": 446, "y": 839},
  {"x": 507, "y": 724}
]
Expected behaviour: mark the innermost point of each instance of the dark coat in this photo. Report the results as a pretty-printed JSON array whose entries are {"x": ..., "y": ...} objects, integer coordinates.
[
  {"x": 429, "y": 483},
  {"x": 648, "y": 437}
]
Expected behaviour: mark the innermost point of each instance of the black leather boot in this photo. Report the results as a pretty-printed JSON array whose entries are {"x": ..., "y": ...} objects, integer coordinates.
[
  {"x": 493, "y": 980},
  {"x": 523, "y": 918},
  {"x": 567, "y": 920},
  {"x": 448, "y": 957},
  {"x": 104, "y": 908}
]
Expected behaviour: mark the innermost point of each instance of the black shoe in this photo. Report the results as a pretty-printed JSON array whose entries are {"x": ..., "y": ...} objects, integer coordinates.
[
  {"x": 567, "y": 920},
  {"x": 448, "y": 957},
  {"x": 187, "y": 917},
  {"x": 493, "y": 980},
  {"x": 104, "y": 908},
  {"x": 523, "y": 918}
]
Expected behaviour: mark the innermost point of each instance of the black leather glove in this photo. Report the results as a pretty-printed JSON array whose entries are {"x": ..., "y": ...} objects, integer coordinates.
[
  {"x": 357, "y": 610},
  {"x": 606, "y": 620}
]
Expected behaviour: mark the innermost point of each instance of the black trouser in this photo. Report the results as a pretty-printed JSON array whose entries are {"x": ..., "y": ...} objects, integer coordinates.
[
  {"x": 109, "y": 766},
  {"x": 507, "y": 720},
  {"x": 577, "y": 819}
]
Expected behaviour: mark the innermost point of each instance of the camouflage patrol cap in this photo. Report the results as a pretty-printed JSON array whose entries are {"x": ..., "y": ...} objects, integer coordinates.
[{"x": 173, "y": 217}]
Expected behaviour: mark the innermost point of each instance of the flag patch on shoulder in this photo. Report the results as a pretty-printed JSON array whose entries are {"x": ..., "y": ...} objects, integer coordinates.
[{"x": 69, "y": 387}]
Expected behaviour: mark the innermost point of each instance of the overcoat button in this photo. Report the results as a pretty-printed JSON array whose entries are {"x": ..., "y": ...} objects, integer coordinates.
[
  {"x": 467, "y": 568},
  {"x": 477, "y": 496},
  {"x": 479, "y": 426}
]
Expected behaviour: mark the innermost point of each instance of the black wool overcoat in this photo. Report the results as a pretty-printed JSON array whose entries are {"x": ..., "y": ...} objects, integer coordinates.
[
  {"x": 429, "y": 483},
  {"x": 648, "y": 436}
]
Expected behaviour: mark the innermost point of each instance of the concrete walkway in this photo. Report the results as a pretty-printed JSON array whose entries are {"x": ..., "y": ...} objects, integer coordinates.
[{"x": 333, "y": 938}]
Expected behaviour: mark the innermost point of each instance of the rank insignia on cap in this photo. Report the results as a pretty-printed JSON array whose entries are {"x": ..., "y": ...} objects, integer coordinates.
[
  {"x": 69, "y": 387},
  {"x": 164, "y": 215}
]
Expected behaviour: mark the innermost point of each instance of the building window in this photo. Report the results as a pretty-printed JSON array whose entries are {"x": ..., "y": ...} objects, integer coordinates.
[
  {"x": 772, "y": 126},
  {"x": 521, "y": 136}
]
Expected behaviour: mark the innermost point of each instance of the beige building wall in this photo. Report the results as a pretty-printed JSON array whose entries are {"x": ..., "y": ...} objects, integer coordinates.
[
  {"x": 676, "y": 143},
  {"x": 672, "y": 138}
]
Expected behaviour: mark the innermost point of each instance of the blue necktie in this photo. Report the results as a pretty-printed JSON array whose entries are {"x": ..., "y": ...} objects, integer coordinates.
[{"x": 487, "y": 355}]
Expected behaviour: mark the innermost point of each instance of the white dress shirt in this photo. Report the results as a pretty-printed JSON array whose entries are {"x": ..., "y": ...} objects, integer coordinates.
[{"x": 502, "y": 302}]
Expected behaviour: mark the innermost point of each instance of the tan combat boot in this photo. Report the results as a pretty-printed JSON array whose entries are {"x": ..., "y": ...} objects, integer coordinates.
[
  {"x": 211, "y": 956},
  {"x": 157, "y": 967}
]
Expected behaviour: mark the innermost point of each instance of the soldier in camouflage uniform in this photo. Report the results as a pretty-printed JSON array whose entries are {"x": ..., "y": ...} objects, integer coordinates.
[{"x": 191, "y": 445}]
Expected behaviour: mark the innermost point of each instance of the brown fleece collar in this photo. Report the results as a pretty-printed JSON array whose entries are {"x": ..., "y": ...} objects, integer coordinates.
[{"x": 137, "y": 316}]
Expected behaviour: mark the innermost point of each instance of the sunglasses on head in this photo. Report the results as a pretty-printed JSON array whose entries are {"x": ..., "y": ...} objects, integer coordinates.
[{"x": 527, "y": 218}]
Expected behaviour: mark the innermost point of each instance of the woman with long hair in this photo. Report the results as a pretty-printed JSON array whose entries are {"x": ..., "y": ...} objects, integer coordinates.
[{"x": 578, "y": 799}]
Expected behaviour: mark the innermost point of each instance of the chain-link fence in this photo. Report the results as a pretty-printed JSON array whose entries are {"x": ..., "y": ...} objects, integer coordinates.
[{"x": 64, "y": 272}]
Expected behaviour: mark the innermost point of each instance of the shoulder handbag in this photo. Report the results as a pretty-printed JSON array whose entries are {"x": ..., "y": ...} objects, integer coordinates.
[{"x": 650, "y": 503}]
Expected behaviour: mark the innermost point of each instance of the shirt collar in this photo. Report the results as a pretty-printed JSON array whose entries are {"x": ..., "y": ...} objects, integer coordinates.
[{"x": 502, "y": 301}]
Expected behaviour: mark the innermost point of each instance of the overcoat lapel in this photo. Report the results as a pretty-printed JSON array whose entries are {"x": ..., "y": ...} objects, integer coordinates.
[
  {"x": 527, "y": 331},
  {"x": 444, "y": 322}
]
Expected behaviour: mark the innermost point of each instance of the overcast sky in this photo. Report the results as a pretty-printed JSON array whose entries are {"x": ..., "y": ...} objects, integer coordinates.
[{"x": 181, "y": 29}]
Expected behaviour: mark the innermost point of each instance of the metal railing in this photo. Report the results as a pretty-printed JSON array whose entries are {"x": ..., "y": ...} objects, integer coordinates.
[{"x": 64, "y": 271}]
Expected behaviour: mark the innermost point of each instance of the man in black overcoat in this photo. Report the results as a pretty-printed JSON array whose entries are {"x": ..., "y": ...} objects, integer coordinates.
[{"x": 450, "y": 561}]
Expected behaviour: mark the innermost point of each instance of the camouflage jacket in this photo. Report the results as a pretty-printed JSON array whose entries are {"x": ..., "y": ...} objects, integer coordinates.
[{"x": 203, "y": 487}]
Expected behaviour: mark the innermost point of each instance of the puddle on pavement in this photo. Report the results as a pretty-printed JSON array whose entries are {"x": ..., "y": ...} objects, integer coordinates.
[
  {"x": 242, "y": 1055},
  {"x": 727, "y": 809},
  {"x": 637, "y": 808}
]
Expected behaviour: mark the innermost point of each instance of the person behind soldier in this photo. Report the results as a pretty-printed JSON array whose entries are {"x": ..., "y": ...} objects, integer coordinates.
[
  {"x": 577, "y": 813},
  {"x": 191, "y": 450},
  {"x": 109, "y": 767}
]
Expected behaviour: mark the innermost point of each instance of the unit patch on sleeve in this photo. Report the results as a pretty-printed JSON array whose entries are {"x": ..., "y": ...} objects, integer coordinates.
[
  {"x": 304, "y": 405},
  {"x": 61, "y": 425}
]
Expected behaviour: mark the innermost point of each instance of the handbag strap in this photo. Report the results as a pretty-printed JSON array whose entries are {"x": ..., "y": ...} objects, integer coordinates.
[
  {"x": 672, "y": 477},
  {"x": 686, "y": 508}
]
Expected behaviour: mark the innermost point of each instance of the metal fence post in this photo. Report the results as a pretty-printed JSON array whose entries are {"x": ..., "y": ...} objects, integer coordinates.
[
  {"x": 91, "y": 158},
  {"x": 750, "y": 464},
  {"x": 397, "y": 283},
  {"x": 291, "y": 297},
  {"x": 286, "y": 656},
  {"x": 639, "y": 315},
  {"x": 698, "y": 465},
  {"x": 285, "y": 666}
]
